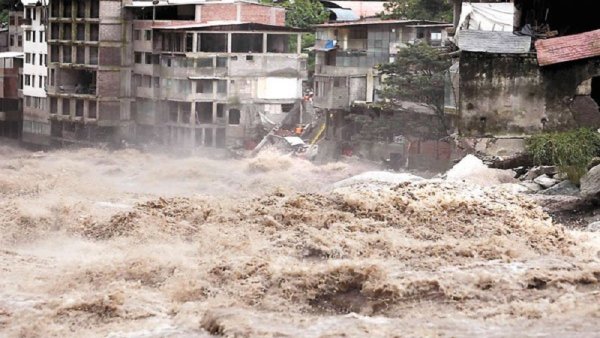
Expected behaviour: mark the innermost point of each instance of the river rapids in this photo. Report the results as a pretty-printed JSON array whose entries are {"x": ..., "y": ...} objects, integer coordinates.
[{"x": 97, "y": 243}]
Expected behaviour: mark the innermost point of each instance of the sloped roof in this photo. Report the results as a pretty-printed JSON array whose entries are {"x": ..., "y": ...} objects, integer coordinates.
[
  {"x": 568, "y": 48},
  {"x": 381, "y": 22},
  {"x": 493, "y": 42}
]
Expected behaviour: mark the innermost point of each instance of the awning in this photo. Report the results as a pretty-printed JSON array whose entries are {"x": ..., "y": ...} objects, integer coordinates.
[
  {"x": 568, "y": 48},
  {"x": 325, "y": 45}
]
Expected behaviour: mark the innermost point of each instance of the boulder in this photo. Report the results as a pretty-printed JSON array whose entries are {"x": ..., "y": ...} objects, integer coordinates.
[
  {"x": 562, "y": 188},
  {"x": 472, "y": 170},
  {"x": 539, "y": 171},
  {"x": 545, "y": 181},
  {"x": 590, "y": 183},
  {"x": 558, "y": 203},
  {"x": 531, "y": 186},
  {"x": 594, "y": 227}
]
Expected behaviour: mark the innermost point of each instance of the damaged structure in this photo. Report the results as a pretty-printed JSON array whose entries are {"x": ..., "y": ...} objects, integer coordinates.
[
  {"x": 191, "y": 73},
  {"x": 525, "y": 67},
  {"x": 204, "y": 74}
]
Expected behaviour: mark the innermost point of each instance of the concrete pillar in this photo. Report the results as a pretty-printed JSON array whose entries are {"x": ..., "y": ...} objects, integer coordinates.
[
  {"x": 228, "y": 42},
  {"x": 264, "y": 49},
  {"x": 299, "y": 43},
  {"x": 195, "y": 41}
]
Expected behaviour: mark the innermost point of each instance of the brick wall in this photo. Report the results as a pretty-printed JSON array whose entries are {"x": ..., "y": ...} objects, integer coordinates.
[{"x": 218, "y": 12}]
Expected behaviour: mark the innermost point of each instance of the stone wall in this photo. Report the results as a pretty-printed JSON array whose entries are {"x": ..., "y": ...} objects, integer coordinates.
[{"x": 510, "y": 95}]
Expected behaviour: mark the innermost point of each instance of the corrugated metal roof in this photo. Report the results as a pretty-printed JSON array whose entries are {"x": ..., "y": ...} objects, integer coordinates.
[
  {"x": 258, "y": 26},
  {"x": 343, "y": 14},
  {"x": 377, "y": 22},
  {"x": 493, "y": 42},
  {"x": 568, "y": 48}
]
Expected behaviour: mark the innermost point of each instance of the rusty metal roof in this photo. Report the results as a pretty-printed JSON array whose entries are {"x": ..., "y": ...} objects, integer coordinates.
[
  {"x": 568, "y": 48},
  {"x": 493, "y": 42}
]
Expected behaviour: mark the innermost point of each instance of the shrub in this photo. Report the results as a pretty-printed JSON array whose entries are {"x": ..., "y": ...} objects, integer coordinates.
[{"x": 570, "y": 151}]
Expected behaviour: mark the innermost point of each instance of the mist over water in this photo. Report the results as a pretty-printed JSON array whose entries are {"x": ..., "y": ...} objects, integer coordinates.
[{"x": 130, "y": 244}]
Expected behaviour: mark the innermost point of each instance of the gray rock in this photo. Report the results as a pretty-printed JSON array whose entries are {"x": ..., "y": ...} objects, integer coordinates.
[
  {"x": 531, "y": 186},
  {"x": 590, "y": 183},
  {"x": 594, "y": 227},
  {"x": 557, "y": 203},
  {"x": 539, "y": 171},
  {"x": 545, "y": 181},
  {"x": 562, "y": 188}
]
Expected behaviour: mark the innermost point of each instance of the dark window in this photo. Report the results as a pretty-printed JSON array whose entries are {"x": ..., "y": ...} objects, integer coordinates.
[
  {"x": 234, "y": 116},
  {"x": 92, "y": 109},
  {"x": 66, "y": 31},
  {"x": 137, "y": 34},
  {"x": 212, "y": 42},
  {"x": 81, "y": 9},
  {"x": 66, "y": 54},
  {"x": 79, "y": 108},
  {"x": 67, "y": 8},
  {"x": 93, "y": 55},
  {"x": 94, "y": 32},
  {"x": 95, "y": 9},
  {"x": 148, "y": 35},
  {"x": 66, "y": 107},
  {"x": 80, "y": 32},
  {"x": 137, "y": 57},
  {"x": 246, "y": 43},
  {"x": 80, "y": 55}
]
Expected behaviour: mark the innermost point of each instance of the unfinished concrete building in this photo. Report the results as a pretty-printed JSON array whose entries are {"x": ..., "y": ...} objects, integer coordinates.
[
  {"x": 36, "y": 123},
  {"x": 205, "y": 73},
  {"x": 347, "y": 53},
  {"x": 89, "y": 86}
]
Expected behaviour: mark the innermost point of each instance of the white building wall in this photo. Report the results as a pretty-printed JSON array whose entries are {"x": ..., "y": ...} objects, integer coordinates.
[{"x": 37, "y": 48}]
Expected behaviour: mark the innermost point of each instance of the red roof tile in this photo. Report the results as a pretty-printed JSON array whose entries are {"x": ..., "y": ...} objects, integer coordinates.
[{"x": 568, "y": 48}]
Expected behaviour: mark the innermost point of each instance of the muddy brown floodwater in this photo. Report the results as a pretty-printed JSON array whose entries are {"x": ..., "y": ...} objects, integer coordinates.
[{"x": 126, "y": 244}]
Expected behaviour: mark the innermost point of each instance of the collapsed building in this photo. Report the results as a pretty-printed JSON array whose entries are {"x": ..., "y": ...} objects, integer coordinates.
[
  {"x": 204, "y": 74},
  {"x": 524, "y": 67}
]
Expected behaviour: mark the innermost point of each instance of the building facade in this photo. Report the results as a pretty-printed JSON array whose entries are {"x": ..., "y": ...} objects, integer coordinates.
[
  {"x": 348, "y": 52},
  {"x": 36, "y": 124},
  {"x": 204, "y": 74}
]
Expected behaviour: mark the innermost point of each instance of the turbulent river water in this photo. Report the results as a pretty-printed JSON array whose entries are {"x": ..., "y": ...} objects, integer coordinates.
[{"x": 126, "y": 244}]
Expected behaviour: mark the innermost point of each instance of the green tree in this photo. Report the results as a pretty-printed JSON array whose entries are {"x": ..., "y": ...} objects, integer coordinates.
[
  {"x": 417, "y": 75},
  {"x": 438, "y": 10},
  {"x": 304, "y": 13}
]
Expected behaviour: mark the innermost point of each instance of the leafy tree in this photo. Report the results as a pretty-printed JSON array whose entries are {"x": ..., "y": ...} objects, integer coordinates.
[
  {"x": 417, "y": 75},
  {"x": 439, "y": 10},
  {"x": 304, "y": 13}
]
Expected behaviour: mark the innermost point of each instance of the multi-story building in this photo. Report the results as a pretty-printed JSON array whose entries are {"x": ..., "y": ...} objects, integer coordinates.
[
  {"x": 204, "y": 73},
  {"x": 15, "y": 32},
  {"x": 89, "y": 76},
  {"x": 11, "y": 66},
  {"x": 36, "y": 123},
  {"x": 191, "y": 73},
  {"x": 347, "y": 52}
]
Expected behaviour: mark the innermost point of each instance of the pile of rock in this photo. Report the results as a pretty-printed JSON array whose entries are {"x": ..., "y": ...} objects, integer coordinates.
[{"x": 546, "y": 180}]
